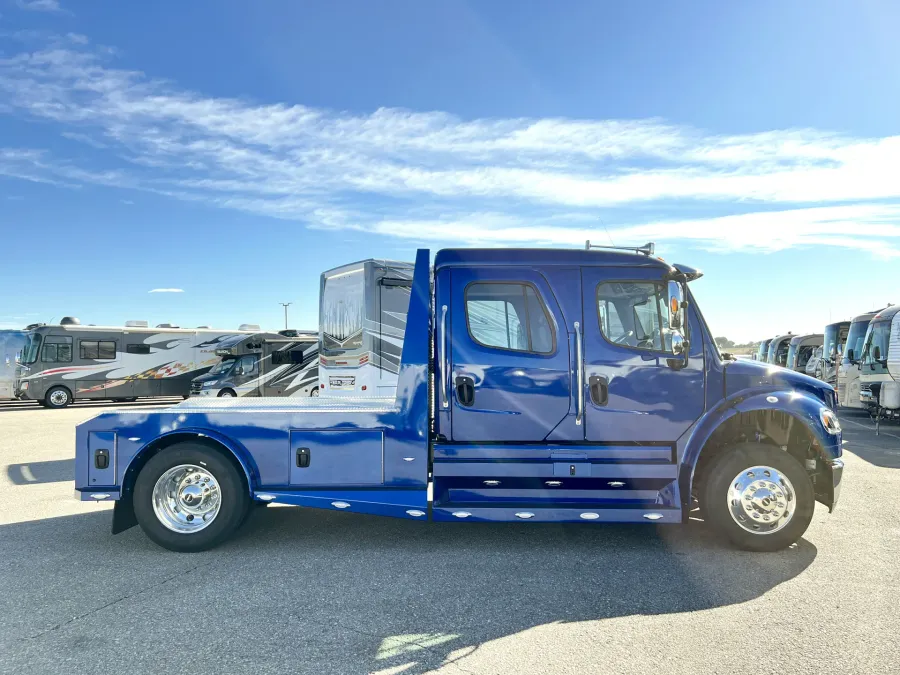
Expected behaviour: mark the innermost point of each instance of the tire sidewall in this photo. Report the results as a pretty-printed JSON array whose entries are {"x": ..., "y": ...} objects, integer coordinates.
[
  {"x": 227, "y": 393},
  {"x": 731, "y": 463},
  {"x": 50, "y": 403},
  {"x": 233, "y": 494}
]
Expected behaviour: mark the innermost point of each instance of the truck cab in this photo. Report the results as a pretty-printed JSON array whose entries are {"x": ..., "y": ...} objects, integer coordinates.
[
  {"x": 535, "y": 385},
  {"x": 849, "y": 370},
  {"x": 879, "y": 368},
  {"x": 801, "y": 349},
  {"x": 262, "y": 364}
]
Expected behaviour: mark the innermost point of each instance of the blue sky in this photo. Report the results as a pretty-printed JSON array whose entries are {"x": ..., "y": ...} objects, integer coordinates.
[{"x": 234, "y": 150}]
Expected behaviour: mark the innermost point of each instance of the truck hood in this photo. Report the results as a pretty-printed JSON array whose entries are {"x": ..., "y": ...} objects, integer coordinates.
[
  {"x": 743, "y": 374},
  {"x": 206, "y": 378}
]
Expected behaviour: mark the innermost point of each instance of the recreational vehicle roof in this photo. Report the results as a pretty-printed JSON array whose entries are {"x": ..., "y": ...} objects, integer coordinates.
[{"x": 130, "y": 329}]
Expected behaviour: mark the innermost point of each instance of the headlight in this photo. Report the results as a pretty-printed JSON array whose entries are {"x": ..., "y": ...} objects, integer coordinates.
[
  {"x": 24, "y": 386},
  {"x": 830, "y": 421},
  {"x": 210, "y": 383}
]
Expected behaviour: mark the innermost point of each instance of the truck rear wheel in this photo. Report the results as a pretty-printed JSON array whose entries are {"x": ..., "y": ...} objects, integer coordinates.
[
  {"x": 759, "y": 497},
  {"x": 58, "y": 397},
  {"x": 189, "y": 498}
]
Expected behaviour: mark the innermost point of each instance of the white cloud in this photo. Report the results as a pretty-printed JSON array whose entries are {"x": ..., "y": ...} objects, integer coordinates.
[
  {"x": 40, "y": 5},
  {"x": 427, "y": 175},
  {"x": 167, "y": 290}
]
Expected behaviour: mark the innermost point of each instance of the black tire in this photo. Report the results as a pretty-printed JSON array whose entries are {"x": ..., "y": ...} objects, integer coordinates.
[
  {"x": 62, "y": 395},
  {"x": 129, "y": 399},
  {"x": 227, "y": 393},
  {"x": 235, "y": 500},
  {"x": 731, "y": 463}
]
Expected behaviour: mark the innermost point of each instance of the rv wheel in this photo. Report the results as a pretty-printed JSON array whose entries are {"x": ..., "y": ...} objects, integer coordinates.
[
  {"x": 58, "y": 397},
  {"x": 227, "y": 393},
  {"x": 314, "y": 392}
]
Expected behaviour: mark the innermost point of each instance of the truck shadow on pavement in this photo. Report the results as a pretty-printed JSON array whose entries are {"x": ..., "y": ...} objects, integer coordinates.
[
  {"x": 51, "y": 471},
  {"x": 307, "y": 591}
]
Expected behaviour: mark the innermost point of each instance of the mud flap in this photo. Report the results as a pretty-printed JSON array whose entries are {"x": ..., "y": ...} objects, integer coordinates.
[
  {"x": 123, "y": 515},
  {"x": 828, "y": 484}
]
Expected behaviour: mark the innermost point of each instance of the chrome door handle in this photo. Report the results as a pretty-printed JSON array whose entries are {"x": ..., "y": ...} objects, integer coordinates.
[
  {"x": 445, "y": 367},
  {"x": 579, "y": 374}
]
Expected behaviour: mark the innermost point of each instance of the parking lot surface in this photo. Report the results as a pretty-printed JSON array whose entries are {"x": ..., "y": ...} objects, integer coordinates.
[{"x": 304, "y": 591}]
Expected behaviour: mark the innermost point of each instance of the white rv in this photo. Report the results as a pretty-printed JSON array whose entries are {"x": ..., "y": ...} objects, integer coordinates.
[
  {"x": 879, "y": 368},
  {"x": 778, "y": 350},
  {"x": 848, "y": 372},
  {"x": 362, "y": 321},
  {"x": 11, "y": 344},
  {"x": 801, "y": 349},
  {"x": 71, "y": 361},
  {"x": 832, "y": 352}
]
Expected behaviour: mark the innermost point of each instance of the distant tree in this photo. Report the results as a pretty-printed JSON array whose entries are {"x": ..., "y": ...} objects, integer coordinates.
[{"x": 724, "y": 342}]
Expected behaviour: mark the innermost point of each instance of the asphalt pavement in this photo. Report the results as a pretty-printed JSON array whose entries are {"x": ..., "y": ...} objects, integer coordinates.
[{"x": 304, "y": 591}]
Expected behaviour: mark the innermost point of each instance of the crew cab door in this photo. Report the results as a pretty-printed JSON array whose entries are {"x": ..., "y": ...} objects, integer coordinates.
[
  {"x": 509, "y": 378},
  {"x": 635, "y": 391}
]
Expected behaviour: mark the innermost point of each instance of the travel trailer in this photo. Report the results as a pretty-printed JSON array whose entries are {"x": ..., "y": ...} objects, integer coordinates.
[
  {"x": 801, "y": 349},
  {"x": 263, "y": 364},
  {"x": 71, "y": 361},
  {"x": 879, "y": 367},
  {"x": 362, "y": 321},
  {"x": 848, "y": 372},
  {"x": 11, "y": 344}
]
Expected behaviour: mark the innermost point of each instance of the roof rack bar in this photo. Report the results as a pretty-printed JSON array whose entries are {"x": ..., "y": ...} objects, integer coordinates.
[{"x": 647, "y": 249}]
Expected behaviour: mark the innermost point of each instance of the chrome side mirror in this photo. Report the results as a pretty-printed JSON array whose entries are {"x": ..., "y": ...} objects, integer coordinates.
[{"x": 677, "y": 344}]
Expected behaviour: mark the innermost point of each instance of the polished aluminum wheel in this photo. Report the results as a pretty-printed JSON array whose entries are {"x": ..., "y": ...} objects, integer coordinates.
[
  {"x": 59, "y": 397},
  {"x": 186, "y": 498},
  {"x": 761, "y": 500}
]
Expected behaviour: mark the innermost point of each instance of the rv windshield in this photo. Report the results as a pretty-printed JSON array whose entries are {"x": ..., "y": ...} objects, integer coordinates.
[
  {"x": 32, "y": 348},
  {"x": 792, "y": 354},
  {"x": 855, "y": 340},
  {"x": 878, "y": 337},
  {"x": 830, "y": 344},
  {"x": 222, "y": 366},
  {"x": 763, "y": 350},
  {"x": 342, "y": 312}
]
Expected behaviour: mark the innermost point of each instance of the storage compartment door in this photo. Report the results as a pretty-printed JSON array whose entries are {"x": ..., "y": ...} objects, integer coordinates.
[{"x": 347, "y": 457}]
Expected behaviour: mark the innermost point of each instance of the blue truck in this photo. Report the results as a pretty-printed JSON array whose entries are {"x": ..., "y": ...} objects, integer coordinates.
[{"x": 538, "y": 385}]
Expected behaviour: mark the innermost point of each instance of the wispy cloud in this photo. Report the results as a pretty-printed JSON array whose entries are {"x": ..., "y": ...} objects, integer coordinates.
[
  {"x": 431, "y": 175},
  {"x": 167, "y": 290},
  {"x": 40, "y": 5}
]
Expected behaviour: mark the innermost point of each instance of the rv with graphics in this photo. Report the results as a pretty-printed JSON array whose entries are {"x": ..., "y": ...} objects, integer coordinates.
[
  {"x": 11, "y": 344},
  {"x": 801, "y": 350},
  {"x": 263, "y": 364},
  {"x": 833, "y": 351},
  {"x": 70, "y": 361},
  {"x": 879, "y": 367},
  {"x": 535, "y": 386},
  {"x": 778, "y": 350},
  {"x": 362, "y": 321},
  {"x": 848, "y": 372}
]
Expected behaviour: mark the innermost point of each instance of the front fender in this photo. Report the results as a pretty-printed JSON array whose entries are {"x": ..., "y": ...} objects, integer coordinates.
[{"x": 802, "y": 406}]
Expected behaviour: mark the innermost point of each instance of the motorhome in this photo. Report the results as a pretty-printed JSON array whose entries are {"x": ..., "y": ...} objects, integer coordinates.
[
  {"x": 814, "y": 365},
  {"x": 833, "y": 351},
  {"x": 763, "y": 351},
  {"x": 362, "y": 321},
  {"x": 801, "y": 349},
  {"x": 11, "y": 344},
  {"x": 69, "y": 361},
  {"x": 778, "y": 349},
  {"x": 879, "y": 368},
  {"x": 263, "y": 364},
  {"x": 848, "y": 372}
]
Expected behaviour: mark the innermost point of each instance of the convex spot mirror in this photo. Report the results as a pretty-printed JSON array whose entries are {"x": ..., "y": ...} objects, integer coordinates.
[{"x": 676, "y": 306}]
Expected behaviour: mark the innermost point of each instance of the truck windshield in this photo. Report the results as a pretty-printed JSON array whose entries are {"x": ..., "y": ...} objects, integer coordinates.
[
  {"x": 855, "y": 341},
  {"x": 222, "y": 366},
  {"x": 878, "y": 339},
  {"x": 342, "y": 312},
  {"x": 32, "y": 348}
]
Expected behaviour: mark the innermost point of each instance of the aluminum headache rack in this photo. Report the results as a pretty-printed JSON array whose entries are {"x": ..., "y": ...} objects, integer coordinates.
[{"x": 647, "y": 249}]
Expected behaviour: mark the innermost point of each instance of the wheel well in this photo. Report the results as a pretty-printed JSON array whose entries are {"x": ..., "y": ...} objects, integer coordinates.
[
  {"x": 161, "y": 444},
  {"x": 773, "y": 427}
]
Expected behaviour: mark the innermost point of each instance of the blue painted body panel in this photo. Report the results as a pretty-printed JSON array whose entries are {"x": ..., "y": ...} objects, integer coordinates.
[{"x": 518, "y": 449}]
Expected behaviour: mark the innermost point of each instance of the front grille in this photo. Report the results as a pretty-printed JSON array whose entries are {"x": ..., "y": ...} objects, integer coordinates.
[{"x": 196, "y": 387}]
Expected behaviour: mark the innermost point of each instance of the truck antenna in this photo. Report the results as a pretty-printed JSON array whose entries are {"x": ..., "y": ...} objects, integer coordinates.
[{"x": 647, "y": 249}]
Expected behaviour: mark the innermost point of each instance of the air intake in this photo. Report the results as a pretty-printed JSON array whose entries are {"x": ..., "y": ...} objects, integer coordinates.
[
  {"x": 167, "y": 325},
  {"x": 248, "y": 326},
  {"x": 136, "y": 324},
  {"x": 202, "y": 326},
  {"x": 69, "y": 321}
]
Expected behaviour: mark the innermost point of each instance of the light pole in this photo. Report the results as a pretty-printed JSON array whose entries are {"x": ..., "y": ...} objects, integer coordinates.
[{"x": 285, "y": 305}]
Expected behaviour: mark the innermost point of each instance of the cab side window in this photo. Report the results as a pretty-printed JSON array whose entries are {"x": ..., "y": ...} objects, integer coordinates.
[
  {"x": 57, "y": 349},
  {"x": 509, "y": 316},
  {"x": 633, "y": 314},
  {"x": 247, "y": 365}
]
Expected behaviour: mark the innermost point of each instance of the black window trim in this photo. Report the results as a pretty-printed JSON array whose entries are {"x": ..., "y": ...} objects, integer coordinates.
[
  {"x": 642, "y": 350},
  {"x": 97, "y": 341},
  {"x": 551, "y": 322},
  {"x": 45, "y": 343}
]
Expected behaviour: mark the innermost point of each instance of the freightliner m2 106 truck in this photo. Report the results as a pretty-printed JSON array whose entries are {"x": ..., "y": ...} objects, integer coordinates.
[{"x": 535, "y": 385}]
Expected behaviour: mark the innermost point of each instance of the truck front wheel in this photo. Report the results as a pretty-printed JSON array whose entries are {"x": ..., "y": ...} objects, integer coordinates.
[
  {"x": 759, "y": 497},
  {"x": 189, "y": 498}
]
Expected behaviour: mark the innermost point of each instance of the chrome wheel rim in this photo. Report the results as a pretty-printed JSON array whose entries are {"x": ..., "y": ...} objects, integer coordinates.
[
  {"x": 761, "y": 500},
  {"x": 186, "y": 498},
  {"x": 58, "y": 397},
  {"x": 227, "y": 394},
  {"x": 314, "y": 392}
]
